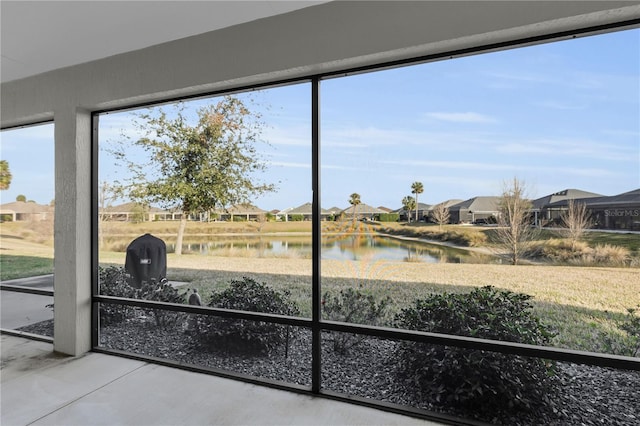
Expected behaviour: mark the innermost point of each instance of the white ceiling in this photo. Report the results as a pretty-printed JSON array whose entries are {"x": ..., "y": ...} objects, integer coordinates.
[{"x": 40, "y": 36}]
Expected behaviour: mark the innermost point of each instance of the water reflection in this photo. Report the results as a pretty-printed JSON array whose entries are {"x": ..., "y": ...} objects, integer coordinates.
[{"x": 353, "y": 247}]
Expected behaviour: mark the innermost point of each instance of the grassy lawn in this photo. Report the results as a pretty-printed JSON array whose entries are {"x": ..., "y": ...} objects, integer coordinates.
[
  {"x": 12, "y": 267},
  {"x": 629, "y": 241}
]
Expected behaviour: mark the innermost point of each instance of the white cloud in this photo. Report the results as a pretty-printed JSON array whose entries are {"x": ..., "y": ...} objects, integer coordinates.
[
  {"x": 621, "y": 132},
  {"x": 461, "y": 117},
  {"x": 291, "y": 164},
  {"x": 292, "y": 136},
  {"x": 560, "y": 105},
  {"x": 520, "y": 76},
  {"x": 468, "y": 166},
  {"x": 454, "y": 165},
  {"x": 563, "y": 148}
]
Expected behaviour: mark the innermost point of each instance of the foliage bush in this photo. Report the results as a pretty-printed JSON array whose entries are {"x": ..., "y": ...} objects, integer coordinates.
[
  {"x": 389, "y": 217},
  {"x": 114, "y": 282},
  {"x": 162, "y": 292},
  {"x": 631, "y": 324},
  {"x": 480, "y": 383},
  {"x": 296, "y": 217},
  {"x": 246, "y": 335},
  {"x": 352, "y": 306}
]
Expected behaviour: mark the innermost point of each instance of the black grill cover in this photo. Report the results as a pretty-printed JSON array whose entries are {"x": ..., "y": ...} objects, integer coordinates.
[{"x": 146, "y": 260}]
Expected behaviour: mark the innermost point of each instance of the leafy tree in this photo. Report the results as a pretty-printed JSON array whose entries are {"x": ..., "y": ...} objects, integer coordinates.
[
  {"x": 107, "y": 193},
  {"x": 22, "y": 198},
  {"x": 139, "y": 212},
  {"x": 440, "y": 214},
  {"x": 514, "y": 232},
  {"x": 417, "y": 188},
  {"x": 196, "y": 168},
  {"x": 408, "y": 203},
  {"x": 5, "y": 175},
  {"x": 575, "y": 221},
  {"x": 354, "y": 200}
]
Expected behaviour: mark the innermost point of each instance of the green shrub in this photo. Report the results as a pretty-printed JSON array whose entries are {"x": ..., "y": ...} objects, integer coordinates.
[
  {"x": 352, "y": 306},
  {"x": 389, "y": 217},
  {"x": 631, "y": 324},
  {"x": 113, "y": 282},
  {"x": 296, "y": 217},
  {"x": 247, "y": 335},
  {"x": 480, "y": 383},
  {"x": 162, "y": 292}
]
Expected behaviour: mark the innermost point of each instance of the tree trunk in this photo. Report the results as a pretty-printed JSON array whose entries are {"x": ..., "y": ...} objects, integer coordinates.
[{"x": 183, "y": 224}]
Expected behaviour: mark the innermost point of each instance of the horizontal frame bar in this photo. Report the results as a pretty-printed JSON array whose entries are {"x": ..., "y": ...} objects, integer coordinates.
[
  {"x": 28, "y": 290},
  {"x": 24, "y": 334},
  {"x": 204, "y": 310}
]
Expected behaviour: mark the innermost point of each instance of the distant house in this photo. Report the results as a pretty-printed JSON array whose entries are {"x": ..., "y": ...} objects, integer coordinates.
[
  {"x": 136, "y": 212},
  {"x": 245, "y": 211},
  {"x": 546, "y": 209},
  {"x": 474, "y": 209},
  {"x": 25, "y": 211},
  {"x": 283, "y": 214},
  {"x": 305, "y": 210},
  {"x": 362, "y": 211},
  {"x": 334, "y": 211},
  {"x": 404, "y": 215},
  {"x": 617, "y": 212},
  {"x": 447, "y": 204}
]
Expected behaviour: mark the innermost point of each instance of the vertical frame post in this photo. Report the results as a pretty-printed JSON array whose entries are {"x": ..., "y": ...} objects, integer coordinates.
[
  {"x": 316, "y": 296},
  {"x": 95, "y": 229}
]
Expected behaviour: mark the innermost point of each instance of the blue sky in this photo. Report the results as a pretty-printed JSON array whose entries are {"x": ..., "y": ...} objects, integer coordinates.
[{"x": 558, "y": 115}]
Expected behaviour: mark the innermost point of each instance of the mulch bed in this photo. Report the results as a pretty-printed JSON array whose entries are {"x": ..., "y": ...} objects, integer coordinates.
[{"x": 588, "y": 395}]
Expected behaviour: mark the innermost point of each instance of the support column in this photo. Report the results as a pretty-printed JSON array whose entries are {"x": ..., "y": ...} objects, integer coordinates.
[{"x": 72, "y": 247}]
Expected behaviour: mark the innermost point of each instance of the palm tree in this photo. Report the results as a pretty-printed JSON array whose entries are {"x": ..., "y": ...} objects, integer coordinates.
[
  {"x": 354, "y": 200},
  {"x": 417, "y": 188},
  {"x": 409, "y": 203}
]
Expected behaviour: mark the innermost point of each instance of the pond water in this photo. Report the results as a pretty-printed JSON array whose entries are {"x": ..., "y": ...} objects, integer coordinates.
[{"x": 352, "y": 247}]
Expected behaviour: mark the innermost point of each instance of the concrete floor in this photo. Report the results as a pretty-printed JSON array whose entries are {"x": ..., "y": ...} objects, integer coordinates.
[
  {"x": 20, "y": 309},
  {"x": 39, "y": 387}
]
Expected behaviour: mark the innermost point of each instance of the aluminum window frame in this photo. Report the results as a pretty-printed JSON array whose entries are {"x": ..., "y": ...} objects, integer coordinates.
[
  {"x": 24, "y": 289},
  {"x": 316, "y": 324}
]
